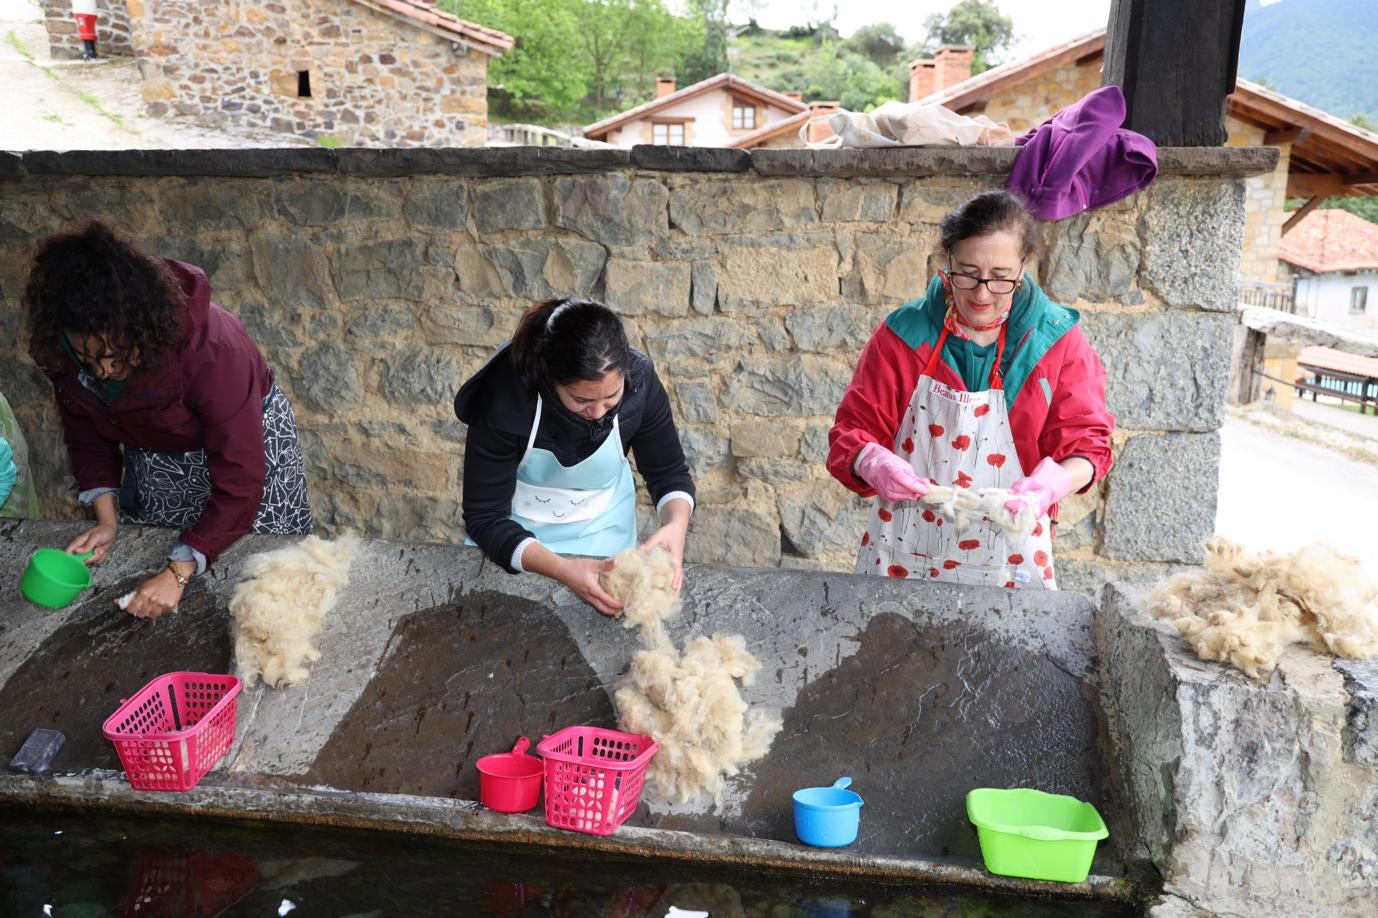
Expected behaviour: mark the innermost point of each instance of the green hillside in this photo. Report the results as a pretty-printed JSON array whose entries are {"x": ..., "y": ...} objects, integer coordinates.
[
  {"x": 1321, "y": 52},
  {"x": 820, "y": 68}
]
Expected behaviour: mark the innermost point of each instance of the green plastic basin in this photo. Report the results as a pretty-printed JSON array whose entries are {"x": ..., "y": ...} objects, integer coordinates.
[
  {"x": 1027, "y": 833},
  {"x": 54, "y": 578}
]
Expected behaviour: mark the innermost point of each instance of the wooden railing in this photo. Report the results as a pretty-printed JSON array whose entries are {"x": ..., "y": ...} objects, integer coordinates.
[
  {"x": 534, "y": 135},
  {"x": 1268, "y": 295}
]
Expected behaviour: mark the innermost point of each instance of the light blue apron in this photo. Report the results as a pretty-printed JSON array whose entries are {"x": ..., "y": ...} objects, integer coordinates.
[{"x": 584, "y": 509}]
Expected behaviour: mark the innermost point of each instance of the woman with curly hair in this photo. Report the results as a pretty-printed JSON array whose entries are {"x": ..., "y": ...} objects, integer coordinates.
[{"x": 169, "y": 411}]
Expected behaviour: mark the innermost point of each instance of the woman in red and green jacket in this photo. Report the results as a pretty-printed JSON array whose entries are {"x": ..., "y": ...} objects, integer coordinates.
[
  {"x": 169, "y": 411},
  {"x": 981, "y": 383}
]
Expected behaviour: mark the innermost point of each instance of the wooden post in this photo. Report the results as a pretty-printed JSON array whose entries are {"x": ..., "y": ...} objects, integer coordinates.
[{"x": 1175, "y": 60}]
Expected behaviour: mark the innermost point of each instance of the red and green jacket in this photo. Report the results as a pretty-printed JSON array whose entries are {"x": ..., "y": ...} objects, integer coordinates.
[{"x": 1054, "y": 383}]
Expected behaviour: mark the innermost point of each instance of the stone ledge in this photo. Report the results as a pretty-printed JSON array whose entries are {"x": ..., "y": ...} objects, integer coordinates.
[
  {"x": 903, "y": 162},
  {"x": 469, "y": 821}
]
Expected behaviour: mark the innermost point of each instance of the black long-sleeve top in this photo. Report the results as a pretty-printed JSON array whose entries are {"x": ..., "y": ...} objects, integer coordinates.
[{"x": 499, "y": 411}]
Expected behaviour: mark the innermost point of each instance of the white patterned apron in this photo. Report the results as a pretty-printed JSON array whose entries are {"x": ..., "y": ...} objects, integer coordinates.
[{"x": 962, "y": 439}]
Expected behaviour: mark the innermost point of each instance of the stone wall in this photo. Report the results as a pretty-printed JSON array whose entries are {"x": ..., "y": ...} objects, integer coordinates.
[
  {"x": 376, "y": 281},
  {"x": 374, "y": 80},
  {"x": 1250, "y": 798},
  {"x": 112, "y": 29}
]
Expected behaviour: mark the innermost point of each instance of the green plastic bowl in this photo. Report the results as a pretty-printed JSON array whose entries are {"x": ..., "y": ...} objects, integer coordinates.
[
  {"x": 54, "y": 578},
  {"x": 1027, "y": 833}
]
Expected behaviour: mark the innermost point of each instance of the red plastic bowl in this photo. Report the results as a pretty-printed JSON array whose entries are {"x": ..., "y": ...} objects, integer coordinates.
[{"x": 510, "y": 782}]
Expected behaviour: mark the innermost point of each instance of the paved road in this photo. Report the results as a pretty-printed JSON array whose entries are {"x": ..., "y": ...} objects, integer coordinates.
[
  {"x": 1352, "y": 421},
  {"x": 1331, "y": 498}
]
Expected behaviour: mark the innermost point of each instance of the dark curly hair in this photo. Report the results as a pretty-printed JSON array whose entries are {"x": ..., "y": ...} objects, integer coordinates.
[{"x": 95, "y": 280}]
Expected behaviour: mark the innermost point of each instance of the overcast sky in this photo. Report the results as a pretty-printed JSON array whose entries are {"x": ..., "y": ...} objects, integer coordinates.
[{"x": 1038, "y": 24}]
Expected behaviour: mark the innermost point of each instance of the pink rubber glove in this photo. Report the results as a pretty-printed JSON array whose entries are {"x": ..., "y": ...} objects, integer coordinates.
[
  {"x": 892, "y": 477},
  {"x": 1047, "y": 485}
]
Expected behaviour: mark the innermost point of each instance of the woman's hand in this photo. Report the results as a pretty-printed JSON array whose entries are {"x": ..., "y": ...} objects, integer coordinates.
[
  {"x": 581, "y": 575},
  {"x": 156, "y": 596},
  {"x": 96, "y": 540},
  {"x": 670, "y": 537}
]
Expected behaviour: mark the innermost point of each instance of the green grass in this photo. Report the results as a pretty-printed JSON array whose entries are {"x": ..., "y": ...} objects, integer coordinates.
[
  {"x": 329, "y": 141},
  {"x": 57, "y": 119},
  {"x": 119, "y": 121}
]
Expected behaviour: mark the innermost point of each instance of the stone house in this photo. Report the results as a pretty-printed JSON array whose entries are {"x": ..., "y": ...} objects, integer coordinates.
[
  {"x": 721, "y": 111},
  {"x": 1321, "y": 155},
  {"x": 364, "y": 72},
  {"x": 1332, "y": 256},
  {"x": 112, "y": 29}
]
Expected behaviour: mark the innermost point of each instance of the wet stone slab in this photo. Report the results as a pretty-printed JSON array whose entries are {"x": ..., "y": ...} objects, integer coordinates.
[
  {"x": 455, "y": 686},
  {"x": 82, "y": 672},
  {"x": 434, "y": 658}
]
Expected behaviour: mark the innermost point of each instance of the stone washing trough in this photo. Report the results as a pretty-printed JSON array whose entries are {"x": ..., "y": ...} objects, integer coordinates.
[{"x": 434, "y": 658}]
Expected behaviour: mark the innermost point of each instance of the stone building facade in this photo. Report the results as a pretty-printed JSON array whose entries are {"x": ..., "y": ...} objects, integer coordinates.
[
  {"x": 112, "y": 29},
  {"x": 361, "y": 72},
  {"x": 376, "y": 281}
]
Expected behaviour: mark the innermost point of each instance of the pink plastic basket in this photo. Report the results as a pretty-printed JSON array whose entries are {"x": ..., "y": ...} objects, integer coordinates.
[
  {"x": 174, "y": 729},
  {"x": 593, "y": 777}
]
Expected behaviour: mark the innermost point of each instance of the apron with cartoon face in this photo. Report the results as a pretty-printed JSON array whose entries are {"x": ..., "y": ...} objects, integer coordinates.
[
  {"x": 961, "y": 439},
  {"x": 584, "y": 509}
]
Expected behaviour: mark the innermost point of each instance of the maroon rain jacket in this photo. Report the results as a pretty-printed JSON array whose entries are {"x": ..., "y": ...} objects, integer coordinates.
[{"x": 207, "y": 395}]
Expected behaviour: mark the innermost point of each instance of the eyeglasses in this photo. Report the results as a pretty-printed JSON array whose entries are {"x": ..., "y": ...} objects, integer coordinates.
[{"x": 999, "y": 286}]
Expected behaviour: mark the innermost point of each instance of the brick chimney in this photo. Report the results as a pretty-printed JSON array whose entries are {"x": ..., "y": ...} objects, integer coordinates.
[
  {"x": 796, "y": 96},
  {"x": 664, "y": 86},
  {"x": 950, "y": 65},
  {"x": 820, "y": 130}
]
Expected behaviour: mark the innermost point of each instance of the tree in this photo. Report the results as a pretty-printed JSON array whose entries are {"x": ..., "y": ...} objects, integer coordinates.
[
  {"x": 709, "y": 58},
  {"x": 541, "y": 75},
  {"x": 978, "y": 23},
  {"x": 880, "y": 42}
]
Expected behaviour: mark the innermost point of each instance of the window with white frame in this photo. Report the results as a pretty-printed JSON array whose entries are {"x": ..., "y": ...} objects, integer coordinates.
[
  {"x": 668, "y": 134},
  {"x": 1358, "y": 300},
  {"x": 743, "y": 116}
]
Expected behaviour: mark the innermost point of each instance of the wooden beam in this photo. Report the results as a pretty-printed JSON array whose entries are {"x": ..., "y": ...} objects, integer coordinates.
[
  {"x": 1303, "y": 185},
  {"x": 1175, "y": 60},
  {"x": 1301, "y": 213},
  {"x": 1363, "y": 178},
  {"x": 1293, "y": 135}
]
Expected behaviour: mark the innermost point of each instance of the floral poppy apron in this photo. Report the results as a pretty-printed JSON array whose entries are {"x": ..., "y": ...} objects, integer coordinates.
[
  {"x": 962, "y": 439},
  {"x": 584, "y": 509}
]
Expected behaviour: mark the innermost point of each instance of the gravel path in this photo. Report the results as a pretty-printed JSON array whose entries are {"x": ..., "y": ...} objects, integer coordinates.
[{"x": 71, "y": 105}]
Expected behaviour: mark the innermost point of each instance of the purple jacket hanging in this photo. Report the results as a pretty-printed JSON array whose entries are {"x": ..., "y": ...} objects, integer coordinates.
[{"x": 1081, "y": 158}]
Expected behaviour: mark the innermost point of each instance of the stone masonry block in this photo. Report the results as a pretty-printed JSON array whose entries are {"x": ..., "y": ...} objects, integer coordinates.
[
  {"x": 1193, "y": 234},
  {"x": 529, "y": 269},
  {"x": 507, "y": 204},
  {"x": 787, "y": 387},
  {"x": 638, "y": 287},
  {"x": 1162, "y": 498},
  {"x": 754, "y": 278},
  {"x": 730, "y": 205},
  {"x": 612, "y": 209},
  {"x": 752, "y": 438},
  {"x": 856, "y": 201},
  {"x": 1165, "y": 371}
]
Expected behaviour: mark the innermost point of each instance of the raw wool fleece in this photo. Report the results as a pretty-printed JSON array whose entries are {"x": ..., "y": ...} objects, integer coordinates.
[
  {"x": 278, "y": 609},
  {"x": 1244, "y": 608},
  {"x": 962, "y": 506},
  {"x": 689, "y": 701}
]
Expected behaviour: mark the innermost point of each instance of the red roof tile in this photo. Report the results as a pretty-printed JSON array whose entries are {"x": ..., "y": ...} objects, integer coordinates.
[
  {"x": 1331, "y": 240},
  {"x": 424, "y": 13}
]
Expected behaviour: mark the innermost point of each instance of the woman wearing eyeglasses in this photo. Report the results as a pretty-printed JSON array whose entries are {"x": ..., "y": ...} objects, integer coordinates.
[
  {"x": 983, "y": 382},
  {"x": 169, "y": 411}
]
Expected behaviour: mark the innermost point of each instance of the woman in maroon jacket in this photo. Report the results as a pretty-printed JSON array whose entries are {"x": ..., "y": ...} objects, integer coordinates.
[{"x": 169, "y": 411}]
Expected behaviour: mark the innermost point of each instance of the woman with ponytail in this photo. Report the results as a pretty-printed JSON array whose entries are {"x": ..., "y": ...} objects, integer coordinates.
[{"x": 551, "y": 417}]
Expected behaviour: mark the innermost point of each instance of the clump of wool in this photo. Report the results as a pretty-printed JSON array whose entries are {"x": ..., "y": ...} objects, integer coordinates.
[
  {"x": 1244, "y": 608},
  {"x": 964, "y": 506},
  {"x": 278, "y": 609},
  {"x": 688, "y": 701}
]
